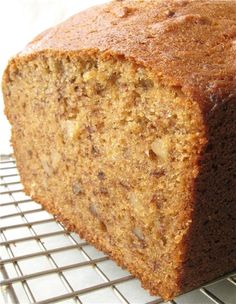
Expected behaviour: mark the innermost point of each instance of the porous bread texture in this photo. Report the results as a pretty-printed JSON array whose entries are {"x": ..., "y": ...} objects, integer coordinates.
[
  {"x": 139, "y": 164},
  {"x": 109, "y": 150}
]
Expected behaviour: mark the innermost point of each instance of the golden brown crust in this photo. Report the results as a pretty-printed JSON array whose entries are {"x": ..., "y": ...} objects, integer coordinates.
[{"x": 198, "y": 36}]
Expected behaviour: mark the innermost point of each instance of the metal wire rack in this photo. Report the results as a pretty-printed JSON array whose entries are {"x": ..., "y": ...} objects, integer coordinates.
[{"x": 41, "y": 262}]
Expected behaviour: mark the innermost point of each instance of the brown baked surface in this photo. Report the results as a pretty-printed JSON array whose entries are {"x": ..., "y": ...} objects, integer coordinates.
[
  {"x": 201, "y": 35},
  {"x": 124, "y": 126}
]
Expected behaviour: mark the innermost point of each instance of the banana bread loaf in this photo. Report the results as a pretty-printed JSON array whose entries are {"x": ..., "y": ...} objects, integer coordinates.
[{"x": 124, "y": 127}]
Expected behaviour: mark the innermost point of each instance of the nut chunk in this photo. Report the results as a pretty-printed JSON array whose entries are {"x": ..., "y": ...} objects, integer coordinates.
[{"x": 161, "y": 148}]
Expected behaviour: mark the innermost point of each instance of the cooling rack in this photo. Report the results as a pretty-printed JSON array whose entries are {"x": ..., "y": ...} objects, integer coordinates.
[{"x": 41, "y": 262}]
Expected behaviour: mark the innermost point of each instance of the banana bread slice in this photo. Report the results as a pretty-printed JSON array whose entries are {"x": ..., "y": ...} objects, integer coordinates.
[{"x": 124, "y": 127}]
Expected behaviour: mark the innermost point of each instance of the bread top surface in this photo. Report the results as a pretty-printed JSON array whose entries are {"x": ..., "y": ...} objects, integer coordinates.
[{"x": 188, "y": 44}]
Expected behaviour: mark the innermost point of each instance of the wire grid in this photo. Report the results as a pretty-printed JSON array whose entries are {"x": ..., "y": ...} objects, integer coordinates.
[{"x": 41, "y": 262}]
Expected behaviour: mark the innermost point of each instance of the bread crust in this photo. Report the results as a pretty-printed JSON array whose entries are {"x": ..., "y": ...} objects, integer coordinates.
[{"x": 188, "y": 44}]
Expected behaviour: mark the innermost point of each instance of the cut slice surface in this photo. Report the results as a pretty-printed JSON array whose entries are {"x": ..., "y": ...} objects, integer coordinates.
[{"x": 112, "y": 152}]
